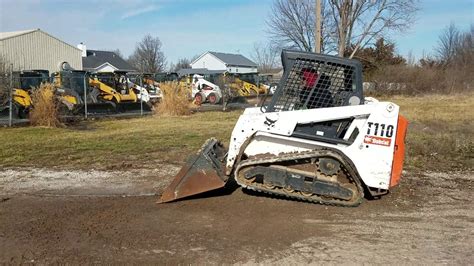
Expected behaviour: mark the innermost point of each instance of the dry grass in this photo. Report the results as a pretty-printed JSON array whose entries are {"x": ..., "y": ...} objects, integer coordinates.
[
  {"x": 175, "y": 101},
  {"x": 440, "y": 132},
  {"x": 414, "y": 80},
  {"x": 45, "y": 107}
]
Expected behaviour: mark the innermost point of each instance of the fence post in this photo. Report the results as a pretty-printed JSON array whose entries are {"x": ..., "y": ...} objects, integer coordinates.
[
  {"x": 258, "y": 88},
  {"x": 226, "y": 95},
  {"x": 85, "y": 96},
  {"x": 141, "y": 94},
  {"x": 10, "y": 107}
]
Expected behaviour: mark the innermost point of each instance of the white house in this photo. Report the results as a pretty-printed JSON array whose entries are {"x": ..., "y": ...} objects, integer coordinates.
[{"x": 232, "y": 63}]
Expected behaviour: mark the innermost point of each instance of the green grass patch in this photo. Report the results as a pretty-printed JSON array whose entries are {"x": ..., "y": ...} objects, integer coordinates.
[{"x": 109, "y": 142}]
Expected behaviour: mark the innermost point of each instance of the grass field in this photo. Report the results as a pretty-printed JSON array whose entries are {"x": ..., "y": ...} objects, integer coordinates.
[
  {"x": 439, "y": 138},
  {"x": 113, "y": 142},
  {"x": 441, "y": 131}
]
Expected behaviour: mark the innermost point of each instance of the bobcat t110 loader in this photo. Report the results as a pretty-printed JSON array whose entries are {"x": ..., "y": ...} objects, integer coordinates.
[{"x": 318, "y": 140}]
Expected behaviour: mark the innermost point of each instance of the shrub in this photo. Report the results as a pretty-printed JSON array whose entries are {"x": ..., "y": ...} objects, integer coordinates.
[
  {"x": 45, "y": 107},
  {"x": 412, "y": 80},
  {"x": 175, "y": 100}
]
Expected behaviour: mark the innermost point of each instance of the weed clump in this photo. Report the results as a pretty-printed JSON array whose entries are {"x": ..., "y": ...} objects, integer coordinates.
[
  {"x": 175, "y": 100},
  {"x": 44, "y": 111}
]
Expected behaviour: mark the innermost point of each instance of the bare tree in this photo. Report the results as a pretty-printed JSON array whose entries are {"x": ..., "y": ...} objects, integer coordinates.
[
  {"x": 148, "y": 56},
  {"x": 182, "y": 63},
  {"x": 266, "y": 56},
  {"x": 465, "y": 48},
  {"x": 450, "y": 43},
  {"x": 359, "y": 22},
  {"x": 196, "y": 56},
  {"x": 291, "y": 24},
  {"x": 118, "y": 52},
  {"x": 455, "y": 47},
  {"x": 4, "y": 81},
  {"x": 344, "y": 22}
]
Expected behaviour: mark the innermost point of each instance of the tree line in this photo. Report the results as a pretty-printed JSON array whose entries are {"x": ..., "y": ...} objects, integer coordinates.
[{"x": 347, "y": 27}]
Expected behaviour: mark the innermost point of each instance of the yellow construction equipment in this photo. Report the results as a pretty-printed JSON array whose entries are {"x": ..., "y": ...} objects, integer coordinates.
[
  {"x": 245, "y": 84},
  {"x": 73, "y": 91},
  {"x": 66, "y": 87},
  {"x": 23, "y": 84},
  {"x": 115, "y": 88}
]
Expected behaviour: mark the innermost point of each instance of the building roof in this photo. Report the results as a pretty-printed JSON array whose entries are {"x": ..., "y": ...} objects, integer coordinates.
[
  {"x": 199, "y": 71},
  {"x": 10, "y": 34},
  {"x": 234, "y": 59},
  {"x": 231, "y": 59},
  {"x": 96, "y": 58}
]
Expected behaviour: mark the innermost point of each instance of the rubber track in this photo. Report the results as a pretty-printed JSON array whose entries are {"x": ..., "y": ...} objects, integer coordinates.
[{"x": 298, "y": 156}]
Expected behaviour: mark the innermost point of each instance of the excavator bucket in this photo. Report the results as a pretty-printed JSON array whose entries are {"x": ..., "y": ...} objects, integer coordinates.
[{"x": 202, "y": 172}]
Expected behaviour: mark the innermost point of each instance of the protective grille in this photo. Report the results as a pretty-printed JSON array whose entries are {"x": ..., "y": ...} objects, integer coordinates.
[
  {"x": 74, "y": 81},
  {"x": 313, "y": 83}
]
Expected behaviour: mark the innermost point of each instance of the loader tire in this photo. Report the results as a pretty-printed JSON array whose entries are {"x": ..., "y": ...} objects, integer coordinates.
[
  {"x": 198, "y": 99},
  {"x": 212, "y": 98}
]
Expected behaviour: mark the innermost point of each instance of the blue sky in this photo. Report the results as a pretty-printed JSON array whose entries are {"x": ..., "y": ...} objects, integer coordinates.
[{"x": 191, "y": 27}]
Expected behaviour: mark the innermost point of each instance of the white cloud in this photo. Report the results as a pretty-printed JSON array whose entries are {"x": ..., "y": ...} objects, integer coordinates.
[{"x": 139, "y": 11}]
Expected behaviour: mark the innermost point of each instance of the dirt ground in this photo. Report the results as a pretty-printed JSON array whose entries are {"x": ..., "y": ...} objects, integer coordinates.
[{"x": 100, "y": 216}]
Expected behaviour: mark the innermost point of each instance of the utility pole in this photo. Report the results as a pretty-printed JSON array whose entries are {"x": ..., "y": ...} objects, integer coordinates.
[{"x": 317, "y": 32}]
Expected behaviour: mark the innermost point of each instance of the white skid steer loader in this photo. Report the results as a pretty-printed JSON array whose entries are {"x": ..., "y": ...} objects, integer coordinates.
[
  {"x": 205, "y": 91},
  {"x": 318, "y": 140}
]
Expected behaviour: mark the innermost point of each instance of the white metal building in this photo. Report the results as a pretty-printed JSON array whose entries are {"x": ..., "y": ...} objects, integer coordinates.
[
  {"x": 36, "y": 49},
  {"x": 232, "y": 63}
]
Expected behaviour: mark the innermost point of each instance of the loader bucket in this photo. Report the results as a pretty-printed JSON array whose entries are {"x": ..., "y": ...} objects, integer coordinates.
[{"x": 202, "y": 172}]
